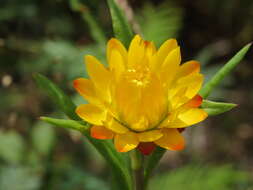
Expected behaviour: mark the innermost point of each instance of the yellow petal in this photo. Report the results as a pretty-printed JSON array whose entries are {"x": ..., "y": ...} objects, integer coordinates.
[
  {"x": 149, "y": 136},
  {"x": 116, "y": 127},
  {"x": 184, "y": 89},
  {"x": 185, "y": 117},
  {"x": 100, "y": 132},
  {"x": 86, "y": 89},
  {"x": 178, "y": 99},
  {"x": 150, "y": 48},
  {"x": 170, "y": 66},
  {"x": 140, "y": 125},
  {"x": 91, "y": 114},
  {"x": 153, "y": 110},
  {"x": 116, "y": 63},
  {"x": 149, "y": 58},
  {"x": 136, "y": 51},
  {"x": 193, "y": 83},
  {"x": 188, "y": 68},
  {"x": 165, "y": 49},
  {"x": 171, "y": 140},
  {"x": 115, "y": 45},
  {"x": 126, "y": 142},
  {"x": 100, "y": 76},
  {"x": 192, "y": 116},
  {"x": 127, "y": 101},
  {"x": 175, "y": 123}
]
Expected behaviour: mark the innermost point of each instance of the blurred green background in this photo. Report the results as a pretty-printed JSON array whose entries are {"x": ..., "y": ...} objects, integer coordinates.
[{"x": 51, "y": 37}]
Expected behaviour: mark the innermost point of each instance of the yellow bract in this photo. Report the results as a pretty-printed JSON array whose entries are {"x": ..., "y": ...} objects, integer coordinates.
[{"x": 144, "y": 95}]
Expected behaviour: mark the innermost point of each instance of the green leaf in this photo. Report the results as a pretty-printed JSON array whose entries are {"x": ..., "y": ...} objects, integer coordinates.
[
  {"x": 66, "y": 123},
  {"x": 152, "y": 162},
  {"x": 225, "y": 70},
  {"x": 104, "y": 147},
  {"x": 121, "y": 28},
  {"x": 215, "y": 108},
  {"x": 57, "y": 95}
]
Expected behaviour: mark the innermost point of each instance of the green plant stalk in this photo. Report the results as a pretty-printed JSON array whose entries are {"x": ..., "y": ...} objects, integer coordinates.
[
  {"x": 138, "y": 169},
  {"x": 224, "y": 71},
  {"x": 151, "y": 163},
  {"x": 121, "y": 28}
]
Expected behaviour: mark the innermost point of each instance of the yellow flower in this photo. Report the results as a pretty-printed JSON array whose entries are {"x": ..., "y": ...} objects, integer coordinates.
[{"x": 144, "y": 96}]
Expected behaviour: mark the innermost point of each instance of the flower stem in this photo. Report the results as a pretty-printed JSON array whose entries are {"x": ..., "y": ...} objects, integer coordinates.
[{"x": 137, "y": 161}]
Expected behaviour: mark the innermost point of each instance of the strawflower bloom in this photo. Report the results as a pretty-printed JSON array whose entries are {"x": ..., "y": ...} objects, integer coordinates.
[{"x": 144, "y": 98}]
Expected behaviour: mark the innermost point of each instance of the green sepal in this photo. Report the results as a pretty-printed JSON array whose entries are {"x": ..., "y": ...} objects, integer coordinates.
[
  {"x": 121, "y": 28},
  {"x": 224, "y": 71},
  {"x": 63, "y": 101},
  {"x": 215, "y": 108}
]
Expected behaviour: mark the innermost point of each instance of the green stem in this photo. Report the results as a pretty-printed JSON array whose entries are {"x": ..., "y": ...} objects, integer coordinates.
[
  {"x": 151, "y": 163},
  {"x": 137, "y": 160}
]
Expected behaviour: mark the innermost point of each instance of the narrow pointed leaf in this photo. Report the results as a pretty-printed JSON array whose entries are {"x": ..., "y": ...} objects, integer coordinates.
[
  {"x": 215, "y": 108},
  {"x": 64, "y": 103},
  {"x": 121, "y": 28},
  {"x": 67, "y": 123},
  {"x": 224, "y": 71}
]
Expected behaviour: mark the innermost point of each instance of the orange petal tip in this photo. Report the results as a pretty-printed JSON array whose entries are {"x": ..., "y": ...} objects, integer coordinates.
[
  {"x": 178, "y": 147},
  {"x": 195, "y": 102},
  {"x": 75, "y": 83},
  {"x": 100, "y": 132}
]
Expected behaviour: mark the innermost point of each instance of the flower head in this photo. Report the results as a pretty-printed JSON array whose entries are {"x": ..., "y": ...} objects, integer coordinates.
[{"x": 143, "y": 98}]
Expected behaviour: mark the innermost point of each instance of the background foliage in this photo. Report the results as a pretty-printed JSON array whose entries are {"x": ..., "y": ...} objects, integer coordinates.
[{"x": 51, "y": 37}]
